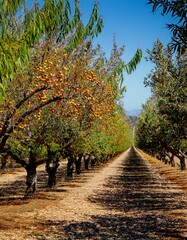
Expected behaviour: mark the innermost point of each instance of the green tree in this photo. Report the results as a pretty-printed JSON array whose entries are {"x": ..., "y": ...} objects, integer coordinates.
[
  {"x": 147, "y": 134},
  {"x": 168, "y": 84},
  {"x": 52, "y": 22},
  {"x": 178, "y": 10}
]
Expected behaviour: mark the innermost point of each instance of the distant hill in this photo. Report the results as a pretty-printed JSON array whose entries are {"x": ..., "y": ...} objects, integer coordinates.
[
  {"x": 133, "y": 112},
  {"x": 132, "y": 120}
]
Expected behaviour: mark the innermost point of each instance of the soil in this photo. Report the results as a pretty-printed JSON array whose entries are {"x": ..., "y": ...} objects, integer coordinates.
[{"x": 132, "y": 196}]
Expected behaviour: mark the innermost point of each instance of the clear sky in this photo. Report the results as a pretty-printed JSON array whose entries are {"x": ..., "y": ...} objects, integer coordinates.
[{"x": 134, "y": 26}]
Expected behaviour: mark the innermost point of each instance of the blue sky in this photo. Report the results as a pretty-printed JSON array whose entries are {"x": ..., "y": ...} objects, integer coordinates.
[{"x": 134, "y": 26}]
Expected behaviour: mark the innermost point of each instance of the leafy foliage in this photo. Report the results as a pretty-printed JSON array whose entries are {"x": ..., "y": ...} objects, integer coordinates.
[
  {"x": 65, "y": 99},
  {"x": 163, "y": 123},
  {"x": 178, "y": 10},
  {"x": 52, "y": 22}
]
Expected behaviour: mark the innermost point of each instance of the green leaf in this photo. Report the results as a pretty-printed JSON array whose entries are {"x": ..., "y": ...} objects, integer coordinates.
[{"x": 132, "y": 64}]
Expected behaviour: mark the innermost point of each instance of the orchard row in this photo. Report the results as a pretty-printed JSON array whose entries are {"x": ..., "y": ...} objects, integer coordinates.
[
  {"x": 60, "y": 95},
  {"x": 162, "y": 127}
]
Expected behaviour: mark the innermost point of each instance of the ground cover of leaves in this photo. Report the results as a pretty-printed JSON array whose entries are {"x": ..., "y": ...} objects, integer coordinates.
[{"x": 133, "y": 196}]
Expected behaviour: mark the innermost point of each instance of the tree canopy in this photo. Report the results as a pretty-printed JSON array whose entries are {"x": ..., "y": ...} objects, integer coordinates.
[
  {"x": 22, "y": 28},
  {"x": 163, "y": 123},
  {"x": 60, "y": 95},
  {"x": 178, "y": 10}
]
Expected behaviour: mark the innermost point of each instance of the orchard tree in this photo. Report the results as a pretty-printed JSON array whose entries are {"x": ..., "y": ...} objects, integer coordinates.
[
  {"x": 46, "y": 138},
  {"x": 64, "y": 84},
  {"x": 178, "y": 10},
  {"x": 154, "y": 134},
  {"x": 71, "y": 92},
  {"x": 147, "y": 131},
  {"x": 65, "y": 77},
  {"x": 168, "y": 84},
  {"x": 21, "y": 29},
  {"x": 17, "y": 110},
  {"x": 29, "y": 79},
  {"x": 107, "y": 138}
]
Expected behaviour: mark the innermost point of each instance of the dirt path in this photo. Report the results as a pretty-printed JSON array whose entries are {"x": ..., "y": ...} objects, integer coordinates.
[{"x": 125, "y": 199}]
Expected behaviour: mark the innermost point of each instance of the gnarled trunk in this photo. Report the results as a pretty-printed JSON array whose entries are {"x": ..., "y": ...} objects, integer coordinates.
[
  {"x": 30, "y": 167},
  {"x": 52, "y": 170},
  {"x": 92, "y": 161},
  {"x": 70, "y": 166},
  {"x": 182, "y": 163},
  {"x": 171, "y": 160},
  {"x": 4, "y": 161},
  {"x": 78, "y": 163},
  {"x": 52, "y": 164},
  {"x": 86, "y": 161},
  {"x": 31, "y": 179}
]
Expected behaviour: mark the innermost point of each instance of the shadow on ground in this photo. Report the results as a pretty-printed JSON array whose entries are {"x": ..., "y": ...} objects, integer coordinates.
[
  {"x": 117, "y": 227},
  {"x": 147, "y": 207},
  {"x": 13, "y": 193}
]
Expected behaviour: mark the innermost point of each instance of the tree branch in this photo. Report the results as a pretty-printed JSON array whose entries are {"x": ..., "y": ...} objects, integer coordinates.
[{"x": 16, "y": 158}]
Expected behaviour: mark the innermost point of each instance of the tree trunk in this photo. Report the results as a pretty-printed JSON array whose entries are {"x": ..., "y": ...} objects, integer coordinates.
[
  {"x": 171, "y": 160},
  {"x": 93, "y": 160},
  {"x": 31, "y": 179},
  {"x": 70, "y": 166},
  {"x": 78, "y": 163},
  {"x": 52, "y": 164},
  {"x": 104, "y": 159},
  {"x": 4, "y": 161},
  {"x": 182, "y": 163},
  {"x": 163, "y": 157},
  {"x": 52, "y": 170},
  {"x": 86, "y": 161}
]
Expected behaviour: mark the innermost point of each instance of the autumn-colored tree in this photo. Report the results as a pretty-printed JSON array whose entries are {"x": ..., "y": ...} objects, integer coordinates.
[
  {"x": 65, "y": 78},
  {"x": 21, "y": 29},
  {"x": 64, "y": 28},
  {"x": 17, "y": 110}
]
